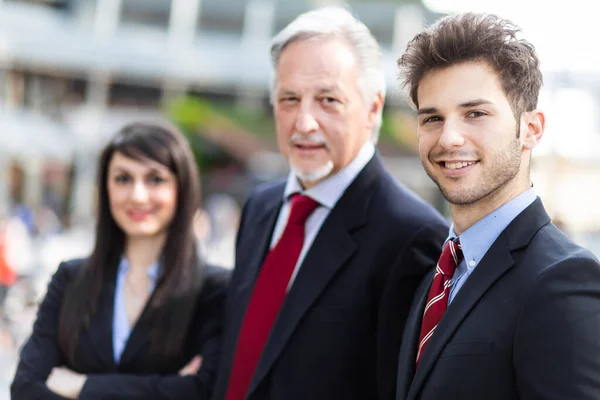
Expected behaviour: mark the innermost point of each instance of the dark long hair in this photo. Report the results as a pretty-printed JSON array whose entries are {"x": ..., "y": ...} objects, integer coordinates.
[{"x": 173, "y": 301}]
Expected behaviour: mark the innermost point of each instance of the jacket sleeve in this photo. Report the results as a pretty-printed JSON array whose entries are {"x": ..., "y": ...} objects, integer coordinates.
[
  {"x": 557, "y": 348},
  {"x": 41, "y": 351},
  {"x": 418, "y": 256},
  {"x": 171, "y": 387}
]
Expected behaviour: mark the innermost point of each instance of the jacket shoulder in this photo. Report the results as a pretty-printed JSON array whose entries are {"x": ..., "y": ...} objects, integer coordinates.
[
  {"x": 72, "y": 267},
  {"x": 398, "y": 203},
  {"x": 267, "y": 190}
]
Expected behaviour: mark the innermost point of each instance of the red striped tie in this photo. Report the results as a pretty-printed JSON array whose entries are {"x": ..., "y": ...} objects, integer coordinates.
[
  {"x": 437, "y": 301},
  {"x": 267, "y": 296}
]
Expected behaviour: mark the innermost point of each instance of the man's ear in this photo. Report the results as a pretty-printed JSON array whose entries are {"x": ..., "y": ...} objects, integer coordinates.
[
  {"x": 375, "y": 109},
  {"x": 532, "y": 128}
]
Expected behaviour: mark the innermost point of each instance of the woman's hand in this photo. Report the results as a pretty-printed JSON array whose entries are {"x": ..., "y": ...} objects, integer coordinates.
[
  {"x": 65, "y": 382},
  {"x": 192, "y": 367}
]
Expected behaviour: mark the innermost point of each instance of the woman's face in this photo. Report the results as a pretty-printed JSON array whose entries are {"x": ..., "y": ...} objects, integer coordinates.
[{"x": 142, "y": 196}]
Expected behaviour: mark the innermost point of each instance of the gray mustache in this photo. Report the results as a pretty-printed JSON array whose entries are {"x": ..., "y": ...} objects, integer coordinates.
[{"x": 315, "y": 138}]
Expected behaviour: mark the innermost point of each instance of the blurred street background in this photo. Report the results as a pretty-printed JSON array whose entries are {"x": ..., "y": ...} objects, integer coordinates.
[{"x": 72, "y": 72}]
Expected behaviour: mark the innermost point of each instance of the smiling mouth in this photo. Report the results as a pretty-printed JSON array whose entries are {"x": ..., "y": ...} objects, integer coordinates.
[
  {"x": 456, "y": 164},
  {"x": 138, "y": 215}
]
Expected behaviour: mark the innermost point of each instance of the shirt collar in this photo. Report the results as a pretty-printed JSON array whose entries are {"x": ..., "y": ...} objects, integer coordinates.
[
  {"x": 153, "y": 270},
  {"x": 329, "y": 191},
  {"x": 477, "y": 240}
]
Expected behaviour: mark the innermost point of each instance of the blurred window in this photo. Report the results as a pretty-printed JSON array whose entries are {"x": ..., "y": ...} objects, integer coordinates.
[
  {"x": 154, "y": 13},
  {"x": 55, "y": 4},
  {"x": 379, "y": 18},
  {"x": 47, "y": 93},
  {"x": 222, "y": 17},
  {"x": 285, "y": 12},
  {"x": 132, "y": 95}
]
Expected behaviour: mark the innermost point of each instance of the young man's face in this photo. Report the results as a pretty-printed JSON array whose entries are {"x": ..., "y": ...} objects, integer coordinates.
[{"x": 470, "y": 142}]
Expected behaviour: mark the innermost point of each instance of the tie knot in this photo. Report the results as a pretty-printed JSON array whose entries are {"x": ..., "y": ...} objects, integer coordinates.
[
  {"x": 302, "y": 207},
  {"x": 451, "y": 257}
]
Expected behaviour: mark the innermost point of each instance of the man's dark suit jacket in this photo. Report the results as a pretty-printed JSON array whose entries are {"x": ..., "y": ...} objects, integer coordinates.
[
  {"x": 139, "y": 374},
  {"x": 525, "y": 325},
  {"x": 339, "y": 330}
]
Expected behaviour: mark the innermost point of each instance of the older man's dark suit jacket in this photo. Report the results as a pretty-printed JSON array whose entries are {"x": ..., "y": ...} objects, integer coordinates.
[
  {"x": 525, "y": 325},
  {"x": 339, "y": 329}
]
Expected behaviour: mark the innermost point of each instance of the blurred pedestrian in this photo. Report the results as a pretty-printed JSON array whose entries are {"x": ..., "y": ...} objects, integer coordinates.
[
  {"x": 139, "y": 318},
  {"x": 19, "y": 246},
  {"x": 8, "y": 276},
  {"x": 224, "y": 214},
  {"x": 326, "y": 262}
]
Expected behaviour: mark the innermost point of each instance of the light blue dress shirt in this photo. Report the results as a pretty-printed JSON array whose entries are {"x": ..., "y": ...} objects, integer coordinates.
[
  {"x": 326, "y": 193},
  {"x": 477, "y": 240},
  {"x": 121, "y": 327}
]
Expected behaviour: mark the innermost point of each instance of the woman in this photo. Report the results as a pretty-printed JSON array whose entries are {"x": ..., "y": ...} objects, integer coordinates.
[{"x": 139, "y": 318}]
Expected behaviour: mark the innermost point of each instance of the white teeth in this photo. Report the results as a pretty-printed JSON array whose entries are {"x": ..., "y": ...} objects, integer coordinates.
[{"x": 457, "y": 165}]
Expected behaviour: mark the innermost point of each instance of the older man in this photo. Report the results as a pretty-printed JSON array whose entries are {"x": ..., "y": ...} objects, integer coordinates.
[{"x": 327, "y": 261}]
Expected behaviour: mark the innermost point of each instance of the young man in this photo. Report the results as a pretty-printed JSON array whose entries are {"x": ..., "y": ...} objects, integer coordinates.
[
  {"x": 513, "y": 308},
  {"x": 328, "y": 261}
]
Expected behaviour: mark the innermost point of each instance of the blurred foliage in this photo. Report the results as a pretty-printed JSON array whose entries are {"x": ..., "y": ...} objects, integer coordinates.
[
  {"x": 192, "y": 115},
  {"x": 388, "y": 126},
  {"x": 400, "y": 127},
  {"x": 195, "y": 113}
]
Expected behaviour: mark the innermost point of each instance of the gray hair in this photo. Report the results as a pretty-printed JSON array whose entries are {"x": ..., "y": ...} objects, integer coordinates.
[{"x": 333, "y": 22}]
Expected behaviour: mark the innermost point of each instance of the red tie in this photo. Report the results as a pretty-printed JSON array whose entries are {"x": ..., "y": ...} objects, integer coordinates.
[
  {"x": 268, "y": 295},
  {"x": 437, "y": 301}
]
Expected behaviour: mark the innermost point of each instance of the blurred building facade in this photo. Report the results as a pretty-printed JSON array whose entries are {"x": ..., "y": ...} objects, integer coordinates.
[
  {"x": 566, "y": 167},
  {"x": 73, "y": 71},
  {"x": 88, "y": 66}
]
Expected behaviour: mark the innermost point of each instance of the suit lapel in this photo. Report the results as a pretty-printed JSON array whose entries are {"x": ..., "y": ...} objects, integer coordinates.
[
  {"x": 254, "y": 251},
  {"x": 496, "y": 262},
  {"x": 410, "y": 339},
  {"x": 324, "y": 259},
  {"x": 251, "y": 255},
  {"x": 100, "y": 329},
  {"x": 331, "y": 249},
  {"x": 138, "y": 337}
]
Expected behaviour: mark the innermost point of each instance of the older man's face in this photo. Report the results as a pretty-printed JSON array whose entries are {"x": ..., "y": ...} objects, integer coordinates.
[{"x": 321, "y": 116}]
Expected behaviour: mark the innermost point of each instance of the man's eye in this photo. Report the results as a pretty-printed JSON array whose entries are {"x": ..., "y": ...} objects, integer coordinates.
[
  {"x": 431, "y": 119},
  {"x": 476, "y": 114},
  {"x": 330, "y": 100}
]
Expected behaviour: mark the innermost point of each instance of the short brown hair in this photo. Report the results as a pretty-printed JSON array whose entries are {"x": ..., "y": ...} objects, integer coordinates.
[{"x": 476, "y": 37}]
